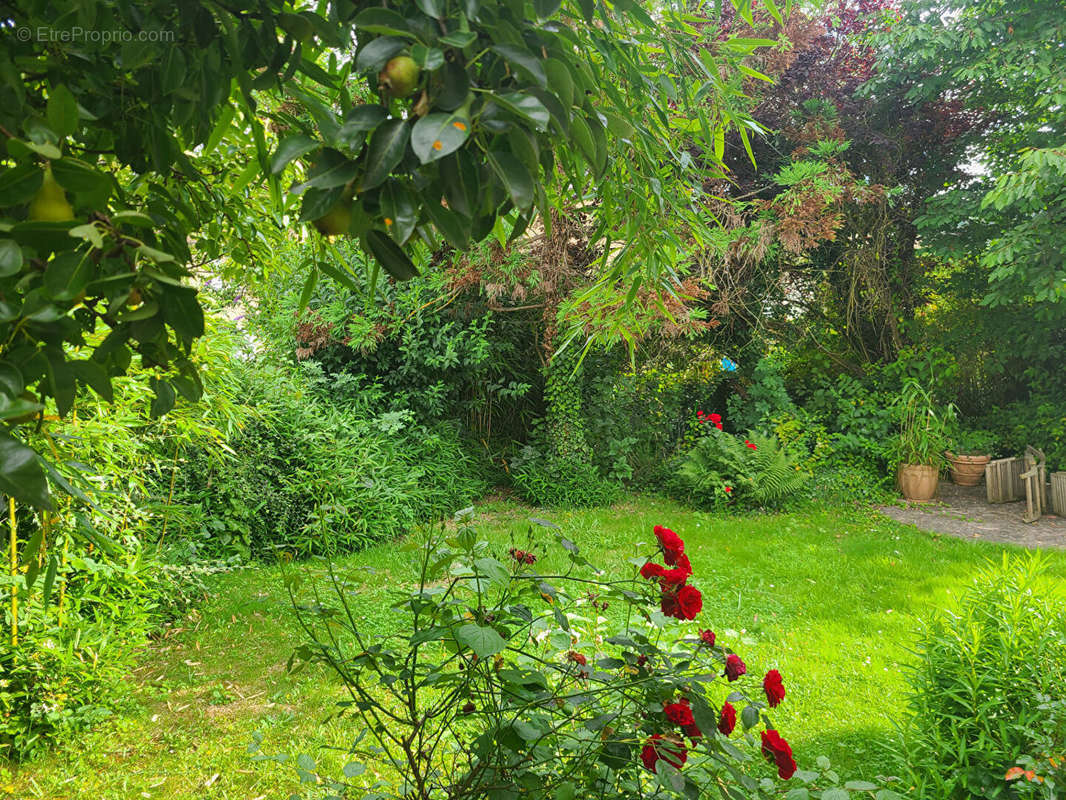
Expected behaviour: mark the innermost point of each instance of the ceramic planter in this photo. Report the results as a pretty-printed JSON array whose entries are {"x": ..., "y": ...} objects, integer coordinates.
[
  {"x": 918, "y": 481},
  {"x": 967, "y": 470}
]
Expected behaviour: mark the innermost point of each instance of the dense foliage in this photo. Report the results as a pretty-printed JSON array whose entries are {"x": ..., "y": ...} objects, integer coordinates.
[{"x": 988, "y": 716}]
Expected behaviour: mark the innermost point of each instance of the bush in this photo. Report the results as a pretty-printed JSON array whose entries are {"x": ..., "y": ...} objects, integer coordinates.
[
  {"x": 544, "y": 480},
  {"x": 529, "y": 672},
  {"x": 752, "y": 472},
  {"x": 74, "y": 650},
  {"x": 987, "y": 690},
  {"x": 311, "y": 476}
]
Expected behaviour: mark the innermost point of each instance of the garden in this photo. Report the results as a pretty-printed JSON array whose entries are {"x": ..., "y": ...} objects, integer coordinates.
[{"x": 487, "y": 399}]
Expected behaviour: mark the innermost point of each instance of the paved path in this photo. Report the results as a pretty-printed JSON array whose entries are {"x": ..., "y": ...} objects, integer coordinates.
[{"x": 964, "y": 512}]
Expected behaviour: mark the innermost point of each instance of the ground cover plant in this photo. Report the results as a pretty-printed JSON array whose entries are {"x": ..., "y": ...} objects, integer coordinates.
[{"x": 830, "y": 599}]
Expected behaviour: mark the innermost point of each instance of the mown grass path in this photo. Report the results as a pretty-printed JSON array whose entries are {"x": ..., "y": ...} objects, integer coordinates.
[{"x": 830, "y": 597}]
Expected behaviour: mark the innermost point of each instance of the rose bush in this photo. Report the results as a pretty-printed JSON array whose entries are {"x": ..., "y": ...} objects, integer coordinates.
[{"x": 512, "y": 678}]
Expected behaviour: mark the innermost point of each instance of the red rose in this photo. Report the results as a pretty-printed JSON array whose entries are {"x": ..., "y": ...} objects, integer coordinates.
[
  {"x": 530, "y": 558},
  {"x": 679, "y": 713},
  {"x": 642, "y": 660},
  {"x": 774, "y": 688},
  {"x": 669, "y": 605},
  {"x": 734, "y": 667},
  {"x": 718, "y": 425},
  {"x": 777, "y": 751},
  {"x": 727, "y": 720},
  {"x": 678, "y": 575},
  {"x": 673, "y": 547},
  {"x": 690, "y": 600},
  {"x": 693, "y": 732},
  {"x": 715, "y": 418},
  {"x": 729, "y": 490},
  {"x": 652, "y": 570},
  {"x": 707, "y": 637},
  {"x": 577, "y": 658},
  {"x": 669, "y": 750},
  {"x": 750, "y": 445}
]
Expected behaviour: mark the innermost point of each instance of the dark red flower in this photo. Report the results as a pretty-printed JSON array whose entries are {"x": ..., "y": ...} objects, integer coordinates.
[
  {"x": 693, "y": 732},
  {"x": 734, "y": 667},
  {"x": 715, "y": 418},
  {"x": 678, "y": 575},
  {"x": 642, "y": 660},
  {"x": 690, "y": 600},
  {"x": 774, "y": 688},
  {"x": 777, "y": 751},
  {"x": 718, "y": 425},
  {"x": 530, "y": 558},
  {"x": 727, "y": 720},
  {"x": 729, "y": 490},
  {"x": 671, "y": 751},
  {"x": 750, "y": 445},
  {"x": 707, "y": 637},
  {"x": 669, "y": 605},
  {"x": 577, "y": 658},
  {"x": 652, "y": 570},
  {"x": 679, "y": 713},
  {"x": 673, "y": 547}
]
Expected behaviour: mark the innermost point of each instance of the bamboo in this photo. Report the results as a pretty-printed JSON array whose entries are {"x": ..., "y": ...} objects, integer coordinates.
[{"x": 14, "y": 574}]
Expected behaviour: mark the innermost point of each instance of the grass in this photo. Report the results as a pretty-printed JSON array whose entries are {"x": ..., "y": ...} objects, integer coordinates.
[{"x": 829, "y": 597}]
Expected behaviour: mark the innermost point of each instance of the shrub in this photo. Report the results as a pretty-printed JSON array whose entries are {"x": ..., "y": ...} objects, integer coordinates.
[
  {"x": 528, "y": 672},
  {"x": 744, "y": 472},
  {"x": 553, "y": 481},
  {"x": 987, "y": 689},
  {"x": 311, "y": 476}
]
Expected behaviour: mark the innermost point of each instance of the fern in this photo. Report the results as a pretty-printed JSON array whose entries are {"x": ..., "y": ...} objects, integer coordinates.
[{"x": 757, "y": 476}]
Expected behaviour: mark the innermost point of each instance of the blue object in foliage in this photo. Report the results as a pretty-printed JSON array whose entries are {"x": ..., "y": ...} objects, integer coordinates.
[{"x": 728, "y": 365}]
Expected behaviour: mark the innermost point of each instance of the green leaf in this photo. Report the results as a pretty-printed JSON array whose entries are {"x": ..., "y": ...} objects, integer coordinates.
[
  {"x": 582, "y": 136},
  {"x": 309, "y": 287},
  {"x": 62, "y": 111},
  {"x": 21, "y": 475},
  {"x": 359, "y": 120},
  {"x": 560, "y": 81},
  {"x": 19, "y": 184},
  {"x": 390, "y": 256},
  {"x": 386, "y": 148},
  {"x": 454, "y": 229},
  {"x": 437, "y": 135},
  {"x": 525, "y": 106},
  {"x": 75, "y": 175},
  {"x": 164, "y": 397},
  {"x": 182, "y": 312},
  {"x": 459, "y": 39},
  {"x": 459, "y": 175},
  {"x": 427, "y": 58},
  {"x": 527, "y": 63},
  {"x": 93, "y": 375},
  {"x": 485, "y": 642},
  {"x": 11, "y": 259},
  {"x": 384, "y": 21},
  {"x": 60, "y": 379},
  {"x": 11, "y": 381},
  {"x": 834, "y": 794},
  {"x": 376, "y": 53},
  {"x": 67, "y": 274},
  {"x": 516, "y": 178},
  {"x": 289, "y": 148},
  {"x": 399, "y": 209},
  {"x": 332, "y": 169},
  {"x": 546, "y": 8},
  {"x": 749, "y": 717},
  {"x": 860, "y": 786}
]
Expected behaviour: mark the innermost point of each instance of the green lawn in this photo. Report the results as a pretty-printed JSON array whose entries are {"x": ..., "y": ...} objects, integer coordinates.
[{"x": 830, "y": 597}]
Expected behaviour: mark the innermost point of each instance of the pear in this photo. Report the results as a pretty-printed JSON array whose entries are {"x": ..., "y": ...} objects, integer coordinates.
[
  {"x": 50, "y": 203},
  {"x": 400, "y": 76},
  {"x": 337, "y": 220}
]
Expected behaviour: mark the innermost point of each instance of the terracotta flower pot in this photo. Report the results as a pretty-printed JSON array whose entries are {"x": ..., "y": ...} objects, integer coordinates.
[
  {"x": 918, "y": 481},
  {"x": 967, "y": 470}
]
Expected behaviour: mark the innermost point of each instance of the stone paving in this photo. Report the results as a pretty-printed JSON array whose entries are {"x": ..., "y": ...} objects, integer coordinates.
[{"x": 964, "y": 512}]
